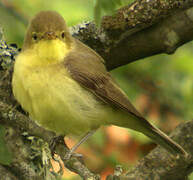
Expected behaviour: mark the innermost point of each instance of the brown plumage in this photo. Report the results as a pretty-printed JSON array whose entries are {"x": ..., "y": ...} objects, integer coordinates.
[{"x": 87, "y": 68}]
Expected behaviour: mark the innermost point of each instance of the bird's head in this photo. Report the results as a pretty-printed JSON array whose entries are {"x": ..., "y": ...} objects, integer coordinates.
[{"x": 47, "y": 26}]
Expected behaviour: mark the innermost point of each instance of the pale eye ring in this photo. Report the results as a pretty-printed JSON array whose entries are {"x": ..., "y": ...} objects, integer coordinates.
[
  {"x": 63, "y": 35},
  {"x": 34, "y": 36}
]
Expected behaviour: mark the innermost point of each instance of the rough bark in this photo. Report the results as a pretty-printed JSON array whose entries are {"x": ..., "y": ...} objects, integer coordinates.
[{"x": 160, "y": 35}]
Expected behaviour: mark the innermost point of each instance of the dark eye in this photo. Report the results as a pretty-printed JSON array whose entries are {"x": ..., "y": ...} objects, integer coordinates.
[
  {"x": 63, "y": 35},
  {"x": 34, "y": 36}
]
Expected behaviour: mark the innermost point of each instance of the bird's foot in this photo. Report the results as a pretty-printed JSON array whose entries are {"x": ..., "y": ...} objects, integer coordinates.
[{"x": 70, "y": 153}]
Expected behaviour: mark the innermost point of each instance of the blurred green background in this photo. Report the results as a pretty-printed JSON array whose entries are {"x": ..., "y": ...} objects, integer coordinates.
[{"x": 161, "y": 87}]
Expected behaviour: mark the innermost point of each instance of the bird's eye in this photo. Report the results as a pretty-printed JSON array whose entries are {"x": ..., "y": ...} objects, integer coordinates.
[
  {"x": 34, "y": 36},
  {"x": 63, "y": 35}
]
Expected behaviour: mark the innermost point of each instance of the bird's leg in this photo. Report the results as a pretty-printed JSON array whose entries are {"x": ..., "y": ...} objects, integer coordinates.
[
  {"x": 53, "y": 143},
  {"x": 82, "y": 140}
]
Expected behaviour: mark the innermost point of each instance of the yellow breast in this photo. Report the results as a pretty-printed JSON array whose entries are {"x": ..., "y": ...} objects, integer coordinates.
[
  {"x": 46, "y": 91},
  {"x": 30, "y": 63}
]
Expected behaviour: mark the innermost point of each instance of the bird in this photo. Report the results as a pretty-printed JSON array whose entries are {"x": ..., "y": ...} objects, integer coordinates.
[{"x": 65, "y": 87}]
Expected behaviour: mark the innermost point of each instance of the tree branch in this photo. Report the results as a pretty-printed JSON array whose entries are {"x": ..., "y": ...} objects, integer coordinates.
[
  {"x": 139, "y": 41},
  {"x": 19, "y": 124},
  {"x": 160, "y": 164},
  {"x": 149, "y": 167}
]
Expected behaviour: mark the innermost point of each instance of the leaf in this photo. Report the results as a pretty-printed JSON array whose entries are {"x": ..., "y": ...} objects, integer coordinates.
[
  {"x": 107, "y": 7},
  {"x": 5, "y": 154},
  {"x": 104, "y": 7},
  {"x": 97, "y": 13}
]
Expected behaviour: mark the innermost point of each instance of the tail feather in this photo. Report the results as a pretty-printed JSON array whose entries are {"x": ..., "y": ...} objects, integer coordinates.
[
  {"x": 142, "y": 125},
  {"x": 165, "y": 141}
]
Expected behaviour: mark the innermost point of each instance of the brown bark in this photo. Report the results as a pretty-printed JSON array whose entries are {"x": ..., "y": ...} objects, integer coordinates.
[{"x": 161, "y": 35}]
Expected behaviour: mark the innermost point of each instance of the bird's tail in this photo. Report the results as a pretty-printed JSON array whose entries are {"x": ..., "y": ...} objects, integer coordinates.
[{"x": 162, "y": 139}]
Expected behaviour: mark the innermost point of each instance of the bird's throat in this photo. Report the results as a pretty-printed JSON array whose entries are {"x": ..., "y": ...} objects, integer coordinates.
[{"x": 47, "y": 52}]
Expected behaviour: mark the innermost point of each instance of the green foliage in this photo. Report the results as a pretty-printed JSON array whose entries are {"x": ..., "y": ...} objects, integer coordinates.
[
  {"x": 190, "y": 176},
  {"x": 5, "y": 154},
  {"x": 103, "y": 7},
  {"x": 72, "y": 11},
  {"x": 171, "y": 78},
  {"x": 73, "y": 178},
  {"x": 99, "y": 139}
]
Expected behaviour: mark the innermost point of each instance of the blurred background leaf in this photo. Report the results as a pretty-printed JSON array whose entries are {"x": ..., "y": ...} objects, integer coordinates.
[
  {"x": 15, "y": 14},
  {"x": 5, "y": 154},
  {"x": 161, "y": 87},
  {"x": 191, "y": 176},
  {"x": 107, "y": 7}
]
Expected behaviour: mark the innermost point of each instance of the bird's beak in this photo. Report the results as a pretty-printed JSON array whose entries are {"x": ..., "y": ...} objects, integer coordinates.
[{"x": 50, "y": 35}]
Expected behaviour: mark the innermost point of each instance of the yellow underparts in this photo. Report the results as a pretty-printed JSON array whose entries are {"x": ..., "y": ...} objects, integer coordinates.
[
  {"x": 45, "y": 89},
  {"x": 45, "y": 52}
]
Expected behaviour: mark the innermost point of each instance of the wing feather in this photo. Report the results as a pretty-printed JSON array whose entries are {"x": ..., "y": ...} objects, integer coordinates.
[{"x": 87, "y": 68}]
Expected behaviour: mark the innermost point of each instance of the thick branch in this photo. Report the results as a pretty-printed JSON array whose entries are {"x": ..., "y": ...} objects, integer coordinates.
[
  {"x": 21, "y": 123},
  {"x": 161, "y": 165},
  {"x": 163, "y": 37},
  {"x": 141, "y": 14},
  {"x": 139, "y": 41}
]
